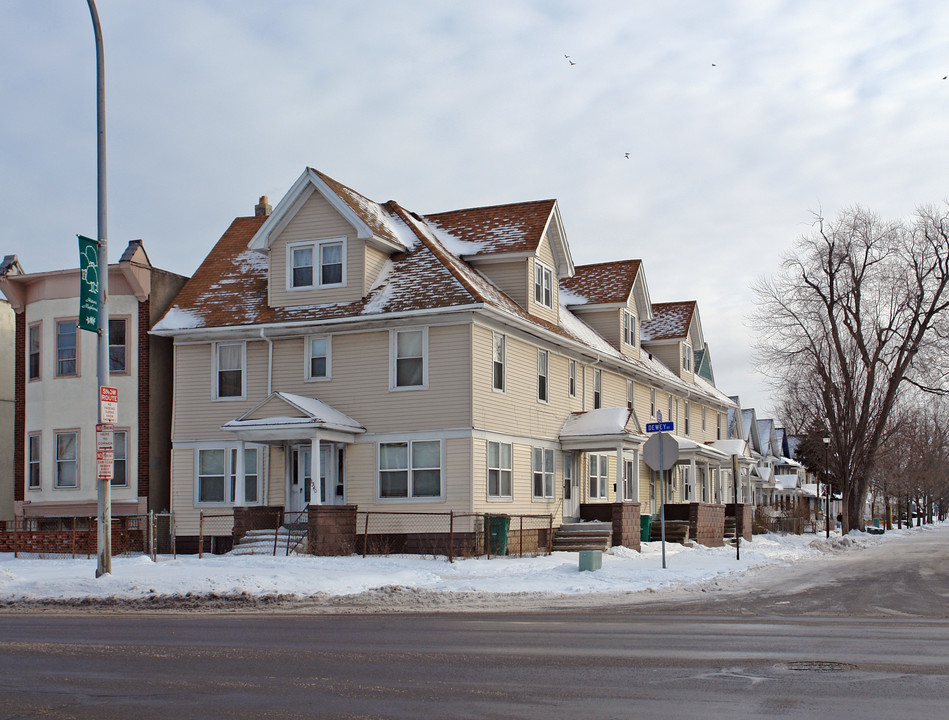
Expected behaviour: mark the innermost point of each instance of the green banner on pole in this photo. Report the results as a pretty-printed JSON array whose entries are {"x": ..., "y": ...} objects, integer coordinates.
[{"x": 88, "y": 284}]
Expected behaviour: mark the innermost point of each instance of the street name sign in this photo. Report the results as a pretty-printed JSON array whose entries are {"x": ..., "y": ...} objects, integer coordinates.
[{"x": 660, "y": 427}]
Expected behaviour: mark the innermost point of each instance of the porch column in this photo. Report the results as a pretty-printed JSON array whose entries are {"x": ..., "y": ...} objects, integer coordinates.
[
  {"x": 693, "y": 471},
  {"x": 635, "y": 497},
  {"x": 238, "y": 471},
  {"x": 620, "y": 464},
  {"x": 315, "y": 470}
]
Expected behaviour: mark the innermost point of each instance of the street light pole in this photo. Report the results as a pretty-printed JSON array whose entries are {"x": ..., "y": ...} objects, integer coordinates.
[
  {"x": 826, "y": 439},
  {"x": 104, "y": 489}
]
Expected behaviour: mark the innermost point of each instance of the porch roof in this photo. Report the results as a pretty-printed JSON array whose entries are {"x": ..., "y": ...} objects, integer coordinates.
[
  {"x": 286, "y": 416},
  {"x": 603, "y": 427},
  {"x": 689, "y": 449}
]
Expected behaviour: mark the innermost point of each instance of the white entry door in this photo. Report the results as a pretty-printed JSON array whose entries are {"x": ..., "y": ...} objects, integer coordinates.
[
  {"x": 298, "y": 479},
  {"x": 571, "y": 488}
]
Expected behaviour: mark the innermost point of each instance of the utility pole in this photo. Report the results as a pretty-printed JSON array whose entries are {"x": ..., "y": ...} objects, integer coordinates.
[{"x": 104, "y": 488}]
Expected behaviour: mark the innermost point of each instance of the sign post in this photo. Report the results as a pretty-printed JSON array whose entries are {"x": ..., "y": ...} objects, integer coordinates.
[{"x": 660, "y": 453}]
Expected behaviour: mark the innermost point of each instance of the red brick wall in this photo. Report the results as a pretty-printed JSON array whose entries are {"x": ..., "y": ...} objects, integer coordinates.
[
  {"x": 707, "y": 524},
  {"x": 743, "y": 518},
  {"x": 332, "y": 529},
  {"x": 82, "y": 542},
  {"x": 19, "y": 408}
]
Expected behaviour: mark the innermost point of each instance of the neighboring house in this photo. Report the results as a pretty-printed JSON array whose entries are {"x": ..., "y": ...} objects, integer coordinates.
[
  {"x": 57, "y": 391},
  {"x": 6, "y": 412},
  {"x": 341, "y": 351}
]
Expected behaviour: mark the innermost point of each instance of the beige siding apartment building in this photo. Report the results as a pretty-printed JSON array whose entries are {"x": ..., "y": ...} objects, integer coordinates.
[{"x": 335, "y": 350}]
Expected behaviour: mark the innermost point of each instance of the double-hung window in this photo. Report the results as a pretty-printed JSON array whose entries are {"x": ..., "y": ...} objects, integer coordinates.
[
  {"x": 117, "y": 346},
  {"x": 317, "y": 264},
  {"x": 34, "y": 453},
  {"x": 217, "y": 474},
  {"x": 686, "y": 357},
  {"x": 597, "y": 388},
  {"x": 630, "y": 394},
  {"x": 572, "y": 378},
  {"x": 543, "y": 284},
  {"x": 652, "y": 402},
  {"x": 671, "y": 417},
  {"x": 67, "y": 460},
  {"x": 543, "y": 376},
  {"x": 319, "y": 358},
  {"x": 410, "y": 470},
  {"x": 67, "y": 351},
  {"x": 629, "y": 328},
  {"x": 543, "y": 473},
  {"x": 408, "y": 352},
  {"x": 120, "y": 444},
  {"x": 703, "y": 418},
  {"x": 718, "y": 426},
  {"x": 498, "y": 354},
  {"x": 630, "y": 475},
  {"x": 599, "y": 476},
  {"x": 687, "y": 416},
  {"x": 33, "y": 361},
  {"x": 499, "y": 470},
  {"x": 229, "y": 370}
]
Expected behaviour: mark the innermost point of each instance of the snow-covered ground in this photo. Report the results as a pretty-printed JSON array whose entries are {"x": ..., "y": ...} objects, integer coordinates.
[{"x": 405, "y": 580}]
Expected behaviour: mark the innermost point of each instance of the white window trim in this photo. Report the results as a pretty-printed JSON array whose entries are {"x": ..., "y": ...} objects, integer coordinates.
[
  {"x": 309, "y": 357},
  {"x": 687, "y": 417},
  {"x": 630, "y": 394},
  {"x": 687, "y": 357},
  {"x": 38, "y": 327},
  {"x": 393, "y": 357},
  {"x": 546, "y": 284},
  {"x": 499, "y": 497},
  {"x": 409, "y": 498},
  {"x": 652, "y": 402},
  {"x": 39, "y": 461},
  {"x": 572, "y": 378},
  {"x": 597, "y": 388},
  {"x": 214, "y": 371},
  {"x": 494, "y": 337},
  {"x": 228, "y": 447},
  {"x": 603, "y": 481},
  {"x": 629, "y": 328},
  {"x": 546, "y": 376},
  {"x": 78, "y": 461},
  {"x": 544, "y": 474},
  {"x": 127, "y": 319},
  {"x": 56, "y": 373},
  {"x": 317, "y": 263},
  {"x": 128, "y": 438}
]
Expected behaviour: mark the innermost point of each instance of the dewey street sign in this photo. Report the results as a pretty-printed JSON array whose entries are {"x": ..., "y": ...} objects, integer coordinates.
[{"x": 659, "y": 427}]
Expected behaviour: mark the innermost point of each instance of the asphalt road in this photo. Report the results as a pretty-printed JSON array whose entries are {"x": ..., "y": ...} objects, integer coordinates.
[{"x": 757, "y": 654}]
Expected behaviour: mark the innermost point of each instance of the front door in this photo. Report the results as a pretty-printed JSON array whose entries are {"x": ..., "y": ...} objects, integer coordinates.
[
  {"x": 298, "y": 479},
  {"x": 571, "y": 488},
  {"x": 300, "y": 476}
]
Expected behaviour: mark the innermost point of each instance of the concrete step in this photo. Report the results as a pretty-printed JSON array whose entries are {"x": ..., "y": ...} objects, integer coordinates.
[{"x": 573, "y": 537}]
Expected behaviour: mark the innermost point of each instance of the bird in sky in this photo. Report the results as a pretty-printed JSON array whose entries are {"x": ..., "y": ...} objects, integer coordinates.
[
  {"x": 627, "y": 156},
  {"x": 945, "y": 77},
  {"x": 569, "y": 60},
  {"x": 714, "y": 65}
]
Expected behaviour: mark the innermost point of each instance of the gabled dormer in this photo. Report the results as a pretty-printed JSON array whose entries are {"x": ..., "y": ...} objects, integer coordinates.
[
  {"x": 325, "y": 243},
  {"x": 521, "y": 248},
  {"x": 674, "y": 335},
  {"x": 613, "y": 298}
]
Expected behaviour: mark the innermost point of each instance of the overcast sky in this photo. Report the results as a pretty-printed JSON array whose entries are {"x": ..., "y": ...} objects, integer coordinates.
[{"x": 741, "y": 119}]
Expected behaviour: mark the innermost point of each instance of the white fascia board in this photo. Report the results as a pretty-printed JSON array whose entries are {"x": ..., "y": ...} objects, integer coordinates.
[
  {"x": 252, "y": 332},
  {"x": 641, "y": 293},
  {"x": 696, "y": 330},
  {"x": 596, "y": 306},
  {"x": 301, "y": 190},
  {"x": 492, "y": 258},
  {"x": 565, "y": 266}
]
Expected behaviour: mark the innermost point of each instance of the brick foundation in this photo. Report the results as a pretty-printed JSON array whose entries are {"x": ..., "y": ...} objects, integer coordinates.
[
  {"x": 743, "y": 519},
  {"x": 332, "y": 529},
  {"x": 706, "y": 521},
  {"x": 625, "y": 519}
]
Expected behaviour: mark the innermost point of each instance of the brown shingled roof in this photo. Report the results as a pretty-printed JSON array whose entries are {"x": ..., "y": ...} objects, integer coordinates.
[
  {"x": 369, "y": 210},
  {"x": 608, "y": 282},
  {"x": 517, "y": 227},
  {"x": 670, "y": 321}
]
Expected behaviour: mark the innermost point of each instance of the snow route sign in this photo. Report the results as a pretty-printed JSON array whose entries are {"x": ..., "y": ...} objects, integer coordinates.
[{"x": 109, "y": 405}]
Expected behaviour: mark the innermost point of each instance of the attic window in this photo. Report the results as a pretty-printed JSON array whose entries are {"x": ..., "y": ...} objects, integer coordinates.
[
  {"x": 543, "y": 284},
  {"x": 686, "y": 357},
  {"x": 316, "y": 264},
  {"x": 629, "y": 328}
]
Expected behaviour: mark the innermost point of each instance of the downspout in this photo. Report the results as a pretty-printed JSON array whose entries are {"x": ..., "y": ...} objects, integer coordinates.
[{"x": 263, "y": 336}]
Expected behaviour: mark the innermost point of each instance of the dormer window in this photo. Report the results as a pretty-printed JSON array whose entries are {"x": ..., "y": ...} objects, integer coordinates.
[
  {"x": 686, "y": 357},
  {"x": 316, "y": 264},
  {"x": 629, "y": 328},
  {"x": 543, "y": 284}
]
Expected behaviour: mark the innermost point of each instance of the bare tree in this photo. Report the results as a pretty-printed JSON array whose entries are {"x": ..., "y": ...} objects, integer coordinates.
[{"x": 845, "y": 326}]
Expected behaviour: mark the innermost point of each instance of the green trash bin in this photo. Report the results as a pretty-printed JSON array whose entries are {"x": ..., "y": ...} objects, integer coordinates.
[
  {"x": 645, "y": 527},
  {"x": 495, "y": 532}
]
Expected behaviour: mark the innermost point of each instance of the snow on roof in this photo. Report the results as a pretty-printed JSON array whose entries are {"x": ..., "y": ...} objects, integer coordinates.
[
  {"x": 315, "y": 412},
  {"x": 454, "y": 244},
  {"x": 515, "y": 227},
  {"x": 730, "y": 447},
  {"x": 669, "y": 321},
  {"x": 178, "y": 319},
  {"x": 787, "y": 482},
  {"x": 600, "y": 283},
  {"x": 602, "y": 421}
]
